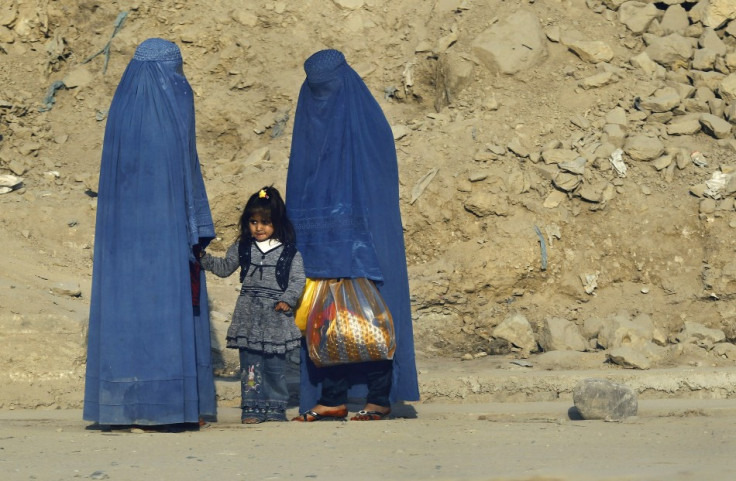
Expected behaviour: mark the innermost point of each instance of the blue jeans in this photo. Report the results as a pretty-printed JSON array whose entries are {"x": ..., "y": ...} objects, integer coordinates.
[{"x": 263, "y": 387}]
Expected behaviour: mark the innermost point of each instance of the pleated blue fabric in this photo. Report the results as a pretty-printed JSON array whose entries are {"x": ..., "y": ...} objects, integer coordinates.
[
  {"x": 342, "y": 195},
  {"x": 148, "y": 353}
]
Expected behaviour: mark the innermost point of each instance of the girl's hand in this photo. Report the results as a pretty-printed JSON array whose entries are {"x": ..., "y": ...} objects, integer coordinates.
[{"x": 281, "y": 306}]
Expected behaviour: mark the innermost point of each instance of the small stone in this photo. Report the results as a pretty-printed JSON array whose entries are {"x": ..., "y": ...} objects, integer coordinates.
[
  {"x": 707, "y": 206},
  {"x": 400, "y": 131},
  {"x": 78, "y": 77},
  {"x": 566, "y": 182},
  {"x": 715, "y": 126},
  {"x": 477, "y": 176},
  {"x": 558, "y": 156},
  {"x": 554, "y": 199},
  {"x": 576, "y": 166},
  {"x": 595, "y": 51},
  {"x": 517, "y": 147},
  {"x": 70, "y": 289}
]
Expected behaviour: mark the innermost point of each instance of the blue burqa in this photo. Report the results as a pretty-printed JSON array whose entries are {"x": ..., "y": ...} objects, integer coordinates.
[
  {"x": 342, "y": 195},
  {"x": 148, "y": 353}
]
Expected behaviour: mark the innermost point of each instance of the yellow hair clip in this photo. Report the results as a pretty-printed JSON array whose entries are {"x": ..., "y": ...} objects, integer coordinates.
[{"x": 262, "y": 194}]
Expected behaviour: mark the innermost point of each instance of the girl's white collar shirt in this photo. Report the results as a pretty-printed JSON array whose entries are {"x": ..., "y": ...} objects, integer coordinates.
[{"x": 268, "y": 244}]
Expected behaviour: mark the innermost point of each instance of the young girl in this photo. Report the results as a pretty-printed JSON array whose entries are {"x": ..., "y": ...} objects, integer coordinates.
[{"x": 262, "y": 328}]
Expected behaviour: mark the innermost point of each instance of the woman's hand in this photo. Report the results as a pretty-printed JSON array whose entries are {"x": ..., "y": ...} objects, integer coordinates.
[{"x": 281, "y": 306}]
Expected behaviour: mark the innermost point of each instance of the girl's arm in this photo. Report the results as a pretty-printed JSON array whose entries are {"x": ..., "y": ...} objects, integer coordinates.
[
  {"x": 222, "y": 266},
  {"x": 296, "y": 282}
]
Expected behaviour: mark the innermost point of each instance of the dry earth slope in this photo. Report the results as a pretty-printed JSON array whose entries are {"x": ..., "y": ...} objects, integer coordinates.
[{"x": 507, "y": 115}]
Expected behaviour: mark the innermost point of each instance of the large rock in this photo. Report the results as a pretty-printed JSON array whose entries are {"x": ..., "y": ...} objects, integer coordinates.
[
  {"x": 710, "y": 40},
  {"x": 603, "y": 399},
  {"x": 559, "y": 334},
  {"x": 663, "y": 100},
  {"x": 620, "y": 330},
  {"x": 641, "y": 147},
  {"x": 710, "y": 80},
  {"x": 514, "y": 44},
  {"x": 727, "y": 88},
  {"x": 639, "y": 357},
  {"x": 674, "y": 20},
  {"x": 704, "y": 59},
  {"x": 715, "y": 126},
  {"x": 713, "y": 13},
  {"x": 454, "y": 73},
  {"x": 693, "y": 332},
  {"x": 684, "y": 125},
  {"x": 670, "y": 51},
  {"x": 517, "y": 330},
  {"x": 637, "y": 15}
]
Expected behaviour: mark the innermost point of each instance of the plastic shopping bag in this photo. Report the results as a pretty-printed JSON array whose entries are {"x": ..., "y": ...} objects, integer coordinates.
[
  {"x": 349, "y": 322},
  {"x": 305, "y": 305}
]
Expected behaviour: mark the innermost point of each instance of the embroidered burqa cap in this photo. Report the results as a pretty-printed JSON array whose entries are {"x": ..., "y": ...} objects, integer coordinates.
[
  {"x": 342, "y": 195},
  {"x": 148, "y": 359}
]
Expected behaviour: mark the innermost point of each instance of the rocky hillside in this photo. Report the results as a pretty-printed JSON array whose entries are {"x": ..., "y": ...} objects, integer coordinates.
[{"x": 567, "y": 166}]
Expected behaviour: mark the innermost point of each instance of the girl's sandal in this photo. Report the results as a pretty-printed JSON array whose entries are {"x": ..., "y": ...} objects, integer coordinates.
[
  {"x": 251, "y": 420},
  {"x": 364, "y": 415}
]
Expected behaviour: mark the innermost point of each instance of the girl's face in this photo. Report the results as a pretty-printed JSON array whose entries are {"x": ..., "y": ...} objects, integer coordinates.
[{"x": 260, "y": 229}]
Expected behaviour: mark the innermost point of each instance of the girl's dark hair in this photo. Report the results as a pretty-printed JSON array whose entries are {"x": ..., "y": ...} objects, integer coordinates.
[{"x": 268, "y": 204}]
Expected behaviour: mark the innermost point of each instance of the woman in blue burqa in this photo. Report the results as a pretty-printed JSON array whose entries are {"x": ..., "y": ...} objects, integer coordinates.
[
  {"x": 148, "y": 353},
  {"x": 342, "y": 195}
]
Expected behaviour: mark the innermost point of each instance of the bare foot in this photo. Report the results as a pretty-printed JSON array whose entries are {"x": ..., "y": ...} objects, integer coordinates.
[
  {"x": 320, "y": 412},
  {"x": 320, "y": 409},
  {"x": 376, "y": 408}
]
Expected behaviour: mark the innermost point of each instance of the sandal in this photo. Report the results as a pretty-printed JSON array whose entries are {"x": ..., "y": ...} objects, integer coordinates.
[
  {"x": 252, "y": 415},
  {"x": 364, "y": 415},
  {"x": 332, "y": 415}
]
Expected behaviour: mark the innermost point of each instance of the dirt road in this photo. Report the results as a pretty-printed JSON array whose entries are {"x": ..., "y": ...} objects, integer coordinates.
[{"x": 674, "y": 440}]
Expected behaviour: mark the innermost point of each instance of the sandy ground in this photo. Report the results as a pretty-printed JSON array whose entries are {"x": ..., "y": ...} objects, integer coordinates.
[
  {"x": 673, "y": 440},
  {"x": 245, "y": 65}
]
